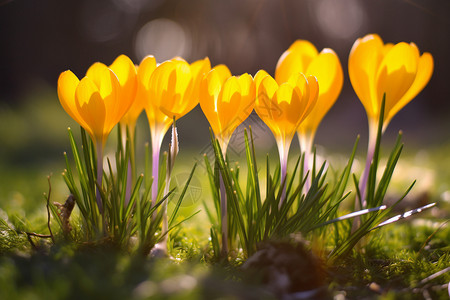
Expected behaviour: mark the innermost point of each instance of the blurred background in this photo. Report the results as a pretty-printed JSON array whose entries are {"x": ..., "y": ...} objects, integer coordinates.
[{"x": 40, "y": 39}]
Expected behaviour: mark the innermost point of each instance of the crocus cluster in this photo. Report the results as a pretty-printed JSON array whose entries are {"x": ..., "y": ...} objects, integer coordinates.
[{"x": 305, "y": 86}]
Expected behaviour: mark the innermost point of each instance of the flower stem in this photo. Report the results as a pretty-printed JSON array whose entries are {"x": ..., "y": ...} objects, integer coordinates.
[
  {"x": 131, "y": 165},
  {"x": 165, "y": 223},
  {"x": 173, "y": 152},
  {"x": 223, "y": 142},
  {"x": 370, "y": 152},
  {"x": 156, "y": 148},
  {"x": 306, "y": 141},
  {"x": 224, "y": 217},
  {"x": 98, "y": 195},
  {"x": 99, "y": 176},
  {"x": 283, "y": 149}
]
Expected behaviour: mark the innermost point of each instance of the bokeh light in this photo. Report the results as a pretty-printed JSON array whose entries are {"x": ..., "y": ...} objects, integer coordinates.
[
  {"x": 343, "y": 19},
  {"x": 162, "y": 38}
]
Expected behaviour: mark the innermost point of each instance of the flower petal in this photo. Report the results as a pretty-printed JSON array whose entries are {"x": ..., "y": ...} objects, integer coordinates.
[
  {"x": 396, "y": 74},
  {"x": 295, "y": 60},
  {"x": 126, "y": 73},
  {"x": 364, "y": 60},
  {"x": 311, "y": 100},
  {"x": 424, "y": 72},
  {"x": 248, "y": 91},
  {"x": 144, "y": 72},
  {"x": 91, "y": 108},
  {"x": 327, "y": 68},
  {"x": 199, "y": 69},
  {"x": 227, "y": 106},
  {"x": 95, "y": 72},
  {"x": 209, "y": 92},
  {"x": 67, "y": 85},
  {"x": 171, "y": 87},
  {"x": 265, "y": 107}
]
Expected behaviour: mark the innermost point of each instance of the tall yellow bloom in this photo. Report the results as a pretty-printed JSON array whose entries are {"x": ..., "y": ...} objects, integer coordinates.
[
  {"x": 397, "y": 71},
  {"x": 284, "y": 106},
  {"x": 175, "y": 85},
  {"x": 168, "y": 90},
  {"x": 226, "y": 101},
  {"x": 97, "y": 102},
  {"x": 93, "y": 101},
  {"x": 302, "y": 56}
]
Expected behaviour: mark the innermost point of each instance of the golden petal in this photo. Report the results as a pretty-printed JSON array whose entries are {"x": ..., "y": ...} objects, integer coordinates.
[
  {"x": 209, "y": 91},
  {"x": 295, "y": 60},
  {"x": 424, "y": 72},
  {"x": 144, "y": 72},
  {"x": 288, "y": 100},
  {"x": 223, "y": 72},
  {"x": 327, "y": 68},
  {"x": 328, "y": 71},
  {"x": 110, "y": 92},
  {"x": 67, "y": 85},
  {"x": 259, "y": 76},
  {"x": 91, "y": 108},
  {"x": 312, "y": 96},
  {"x": 171, "y": 86},
  {"x": 248, "y": 93},
  {"x": 126, "y": 73},
  {"x": 364, "y": 60},
  {"x": 228, "y": 104},
  {"x": 299, "y": 83},
  {"x": 396, "y": 74},
  {"x": 95, "y": 72},
  {"x": 264, "y": 106},
  {"x": 199, "y": 69}
]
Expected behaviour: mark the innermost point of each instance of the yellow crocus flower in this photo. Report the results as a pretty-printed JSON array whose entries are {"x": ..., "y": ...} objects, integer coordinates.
[
  {"x": 168, "y": 90},
  {"x": 175, "y": 85},
  {"x": 95, "y": 101},
  {"x": 302, "y": 56},
  {"x": 376, "y": 69},
  {"x": 226, "y": 101},
  {"x": 398, "y": 70},
  {"x": 158, "y": 122},
  {"x": 170, "y": 87},
  {"x": 284, "y": 106}
]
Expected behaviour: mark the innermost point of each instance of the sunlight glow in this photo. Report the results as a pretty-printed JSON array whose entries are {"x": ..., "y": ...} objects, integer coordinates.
[{"x": 162, "y": 38}]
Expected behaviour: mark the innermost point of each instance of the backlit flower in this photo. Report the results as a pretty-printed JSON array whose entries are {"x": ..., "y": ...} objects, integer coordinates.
[
  {"x": 303, "y": 57},
  {"x": 398, "y": 70},
  {"x": 95, "y": 101},
  {"x": 98, "y": 102},
  {"x": 226, "y": 101},
  {"x": 168, "y": 90},
  {"x": 376, "y": 69},
  {"x": 175, "y": 86},
  {"x": 284, "y": 106}
]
